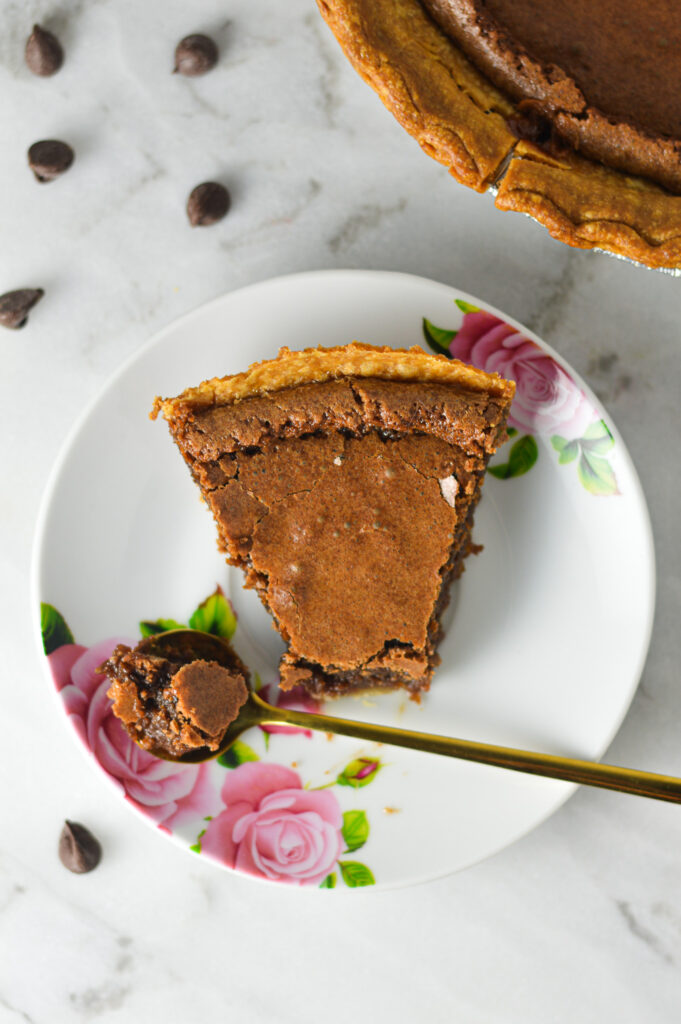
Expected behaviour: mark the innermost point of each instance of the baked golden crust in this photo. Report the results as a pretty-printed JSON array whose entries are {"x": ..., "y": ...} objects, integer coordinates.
[
  {"x": 459, "y": 118},
  {"x": 588, "y": 205},
  {"x": 315, "y": 365},
  {"x": 429, "y": 84}
]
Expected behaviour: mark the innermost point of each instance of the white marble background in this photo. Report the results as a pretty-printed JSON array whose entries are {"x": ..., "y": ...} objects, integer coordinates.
[{"x": 581, "y": 920}]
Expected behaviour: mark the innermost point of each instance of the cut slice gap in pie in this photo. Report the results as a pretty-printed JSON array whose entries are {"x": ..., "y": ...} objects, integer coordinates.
[{"x": 343, "y": 483}]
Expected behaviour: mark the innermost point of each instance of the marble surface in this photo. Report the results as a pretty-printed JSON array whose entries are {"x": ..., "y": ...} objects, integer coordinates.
[{"x": 581, "y": 920}]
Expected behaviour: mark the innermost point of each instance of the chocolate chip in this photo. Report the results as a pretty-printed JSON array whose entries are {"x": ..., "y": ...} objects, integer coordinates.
[
  {"x": 195, "y": 55},
  {"x": 79, "y": 851},
  {"x": 49, "y": 158},
  {"x": 44, "y": 55},
  {"x": 207, "y": 204},
  {"x": 15, "y": 306}
]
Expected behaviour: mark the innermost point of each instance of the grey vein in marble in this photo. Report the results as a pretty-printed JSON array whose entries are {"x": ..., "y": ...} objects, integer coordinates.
[
  {"x": 260, "y": 232},
  {"x": 369, "y": 217},
  {"x": 328, "y": 79},
  {"x": 93, "y": 1002},
  {"x": 554, "y": 299},
  {"x": 643, "y": 934},
  {"x": 607, "y": 377},
  {"x": 15, "y": 1011}
]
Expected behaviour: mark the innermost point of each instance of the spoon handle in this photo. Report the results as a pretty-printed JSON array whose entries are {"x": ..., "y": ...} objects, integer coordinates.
[{"x": 586, "y": 773}]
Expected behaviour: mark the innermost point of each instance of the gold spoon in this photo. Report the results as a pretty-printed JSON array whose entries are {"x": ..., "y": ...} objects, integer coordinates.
[{"x": 256, "y": 711}]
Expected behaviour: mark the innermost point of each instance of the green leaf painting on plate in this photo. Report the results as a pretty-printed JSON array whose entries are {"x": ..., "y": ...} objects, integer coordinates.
[
  {"x": 196, "y": 847},
  {"x": 237, "y": 754},
  {"x": 596, "y": 475},
  {"x": 567, "y": 450},
  {"x": 594, "y": 471},
  {"x": 466, "y": 307},
  {"x": 521, "y": 458},
  {"x": 148, "y": 628},
  {"x": 440, "y": 338},
  {"x": 355, "y": 830},
  {"x": 55, "y": 632},
  {"x": 215, "y": 615},
  {"x": 437, "y": 338},
  {"x": 355, "y": 874}
]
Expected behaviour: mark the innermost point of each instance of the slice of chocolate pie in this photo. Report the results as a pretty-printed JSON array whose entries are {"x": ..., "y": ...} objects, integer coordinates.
[{"x": 343, "y": 482}]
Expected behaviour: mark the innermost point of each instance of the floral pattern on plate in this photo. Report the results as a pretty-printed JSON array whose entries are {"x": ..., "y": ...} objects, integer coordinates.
[
  {"x": 257, "y": 817},
  {"x": 272, "y": 826},
  {"x": 547, "y": 403}
]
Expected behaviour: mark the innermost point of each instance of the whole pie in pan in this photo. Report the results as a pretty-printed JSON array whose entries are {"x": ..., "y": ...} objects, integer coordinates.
[
  {"x": 343, "y": 483},
  {"x": 572, "y": 111}
]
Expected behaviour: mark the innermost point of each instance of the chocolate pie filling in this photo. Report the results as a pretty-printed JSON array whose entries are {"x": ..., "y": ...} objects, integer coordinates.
[{"x": 348, "y": 503}]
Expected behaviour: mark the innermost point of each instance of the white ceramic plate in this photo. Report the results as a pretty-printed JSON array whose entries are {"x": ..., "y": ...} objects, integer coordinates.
[{"x": 546, "y": 633}]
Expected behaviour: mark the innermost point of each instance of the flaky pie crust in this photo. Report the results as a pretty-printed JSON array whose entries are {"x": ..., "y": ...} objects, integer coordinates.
[{"x": 315, "y": 365}]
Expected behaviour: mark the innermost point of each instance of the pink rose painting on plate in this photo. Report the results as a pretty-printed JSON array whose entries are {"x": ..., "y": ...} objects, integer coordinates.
[
  {"x": 546, "y": 399},
  {"x": 246, "y": 812},
  {"x": 272, "y": 827},
  {"x": 548, "y": 402}
]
